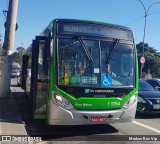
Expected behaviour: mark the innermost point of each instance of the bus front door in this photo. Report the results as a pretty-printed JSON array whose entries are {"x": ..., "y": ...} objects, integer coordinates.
[{"x": 40, "y": 76}]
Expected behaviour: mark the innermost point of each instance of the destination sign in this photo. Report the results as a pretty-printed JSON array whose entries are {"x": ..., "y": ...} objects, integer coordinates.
[{"x": 96, "y": 30}]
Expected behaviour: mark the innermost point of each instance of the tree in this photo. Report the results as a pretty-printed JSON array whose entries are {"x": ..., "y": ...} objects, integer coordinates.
[
  {"x": 152, "y": 59},
  {"x": 20, "y": 50},
  {"x": 17, "y": 56}
]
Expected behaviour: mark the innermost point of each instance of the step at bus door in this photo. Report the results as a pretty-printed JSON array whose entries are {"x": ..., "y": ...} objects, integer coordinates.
[{"x": 40, "y": 76}]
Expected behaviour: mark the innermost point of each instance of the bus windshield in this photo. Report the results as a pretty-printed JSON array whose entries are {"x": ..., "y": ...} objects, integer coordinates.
[{"x": 95, "y": 63}]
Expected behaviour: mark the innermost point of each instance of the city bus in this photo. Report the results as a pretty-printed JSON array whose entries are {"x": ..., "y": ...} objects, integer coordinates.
[{"x": 70, "y": 83}]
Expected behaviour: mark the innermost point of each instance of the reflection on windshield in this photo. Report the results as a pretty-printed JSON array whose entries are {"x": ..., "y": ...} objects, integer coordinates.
[{"x": 83, "y": 62}]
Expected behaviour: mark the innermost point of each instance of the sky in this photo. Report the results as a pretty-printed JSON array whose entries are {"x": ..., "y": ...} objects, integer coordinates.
[{"x": 34, "y": 15}]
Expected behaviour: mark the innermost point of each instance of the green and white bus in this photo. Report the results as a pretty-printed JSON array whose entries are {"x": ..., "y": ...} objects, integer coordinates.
[{"x": 69, "y": 82}]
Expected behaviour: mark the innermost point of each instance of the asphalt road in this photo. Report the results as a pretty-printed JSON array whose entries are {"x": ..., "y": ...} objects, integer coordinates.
[{"x": 145, "y": 129}]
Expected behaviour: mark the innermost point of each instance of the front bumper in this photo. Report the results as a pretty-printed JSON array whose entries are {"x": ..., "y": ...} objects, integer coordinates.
[{"x": 60, "y": 116}]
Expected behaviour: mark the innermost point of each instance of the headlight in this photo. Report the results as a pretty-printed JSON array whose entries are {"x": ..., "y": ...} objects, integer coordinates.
[
  {"x": 58, "y": 98},
  {"x": 61, "y": 101},
  {"x": 130, "y": 101},
  {"x": 141, "y": 100}
]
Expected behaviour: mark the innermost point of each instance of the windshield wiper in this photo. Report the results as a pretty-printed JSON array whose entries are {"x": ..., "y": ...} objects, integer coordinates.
[
  {"x": 89, "y": 56},
  {"x": 110, "y": 55}
]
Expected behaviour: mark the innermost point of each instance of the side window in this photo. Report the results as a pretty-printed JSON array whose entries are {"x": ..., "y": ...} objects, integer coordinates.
[
  {"x": 153, "y": 83},
  {"x": 156, "y": 83},
  {"x": 43, "y": 60},
  {"x": 40, "y": 59},
  {"x": 51, "y": 48}
]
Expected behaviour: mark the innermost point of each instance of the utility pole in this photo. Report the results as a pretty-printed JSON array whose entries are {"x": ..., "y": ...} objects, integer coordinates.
[
  {"x": 10, "y": 28},
  {"x": 0, "y": 42}
]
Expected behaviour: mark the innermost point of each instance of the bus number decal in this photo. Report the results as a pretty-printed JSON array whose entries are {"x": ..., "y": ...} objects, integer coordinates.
[{"x": 114, "y": 104}]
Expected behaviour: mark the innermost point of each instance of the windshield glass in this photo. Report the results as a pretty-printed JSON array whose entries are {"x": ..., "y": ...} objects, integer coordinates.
[
  {"x": 95, "y": 63},
  {"x": 144, "y": 86}
]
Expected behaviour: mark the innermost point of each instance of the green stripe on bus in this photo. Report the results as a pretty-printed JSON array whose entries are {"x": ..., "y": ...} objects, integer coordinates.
[{"x": 40, "y": 116}]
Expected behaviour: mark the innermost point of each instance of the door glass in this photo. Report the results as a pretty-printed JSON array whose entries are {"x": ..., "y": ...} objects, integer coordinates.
[{"x": 40, "y": 59}]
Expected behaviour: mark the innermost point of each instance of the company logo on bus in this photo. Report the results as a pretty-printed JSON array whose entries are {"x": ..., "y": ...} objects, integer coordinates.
[{"x": 98, "y": 91}]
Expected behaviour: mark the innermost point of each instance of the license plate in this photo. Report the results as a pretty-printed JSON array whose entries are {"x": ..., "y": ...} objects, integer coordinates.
[
  {"x": 98, "y": 119},
  {"x": 157, "y": 106}
]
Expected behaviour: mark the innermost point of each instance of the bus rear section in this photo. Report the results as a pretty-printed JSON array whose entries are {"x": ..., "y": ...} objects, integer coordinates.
[{"x": 84, "y": 73}]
